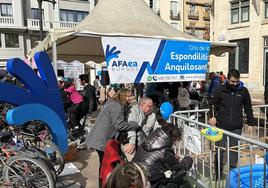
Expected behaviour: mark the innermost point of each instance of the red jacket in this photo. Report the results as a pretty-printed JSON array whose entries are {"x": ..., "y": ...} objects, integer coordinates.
[{"x": 110, "y": 159}]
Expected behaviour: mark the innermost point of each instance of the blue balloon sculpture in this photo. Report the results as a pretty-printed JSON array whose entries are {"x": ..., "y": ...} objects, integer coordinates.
[
  {"x": 166, "y": 109},
  {"x": 40, "y": 99}
]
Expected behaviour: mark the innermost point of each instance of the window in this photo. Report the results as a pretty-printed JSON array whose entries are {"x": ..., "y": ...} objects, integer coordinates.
[
  {"x": 174, "y": 7},
  {"x": 239, "y": 11},
  {"x": 266, "y": 8},
  {"x": 153, "y": 4},
  {"x": 244, "y": 11},
  {"x": 192, "y": 7},
  {"x": 35, "y": 13},
  {"x": 192, "y": 11},
  {"x": 266, "y": 42},
  {"x": 243, "y": 56},
  {"x": 72, "y": 16},
  {"x": 234, "y": 13},
  {"x": 11, "y": 40},
  {"x": 80, "y": 16},
  {"x": 6, "y": 10}
]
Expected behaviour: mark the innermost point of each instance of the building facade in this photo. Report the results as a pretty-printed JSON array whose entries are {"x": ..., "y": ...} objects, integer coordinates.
[
  {"x": 190, "y": 16},
  {"x": 197, "y": 18},
  {"x": 171, "y": 11},
  {"x": 19, "y": 23},
  {"x": 244, "y": 22}
]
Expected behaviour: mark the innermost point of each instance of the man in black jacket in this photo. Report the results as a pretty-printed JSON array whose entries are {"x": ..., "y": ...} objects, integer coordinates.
[
  {"x": 229, "y": 100},
  {"x": 89, "y": 95}
]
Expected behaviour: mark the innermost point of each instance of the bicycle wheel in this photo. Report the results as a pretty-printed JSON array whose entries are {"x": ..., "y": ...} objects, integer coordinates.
[
  {"x": 22, "y": 171},
  {"x": 36, "y": 153},
  {"x": 49, "y": 148},
  {"x": 53, "y": 154}
]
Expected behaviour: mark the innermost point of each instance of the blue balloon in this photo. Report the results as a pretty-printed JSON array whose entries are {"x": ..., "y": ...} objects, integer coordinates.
[{"x": 166, "y": 109}]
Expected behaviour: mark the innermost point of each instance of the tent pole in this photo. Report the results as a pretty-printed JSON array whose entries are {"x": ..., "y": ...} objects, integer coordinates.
[{"x": 54, "y": 57}]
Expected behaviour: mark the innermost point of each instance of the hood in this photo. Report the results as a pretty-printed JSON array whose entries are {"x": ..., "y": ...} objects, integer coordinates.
[
  {"x": 215, "y": 78},
  {"x": 241, "y": 85},
  {"x": 157, "y": 140}
]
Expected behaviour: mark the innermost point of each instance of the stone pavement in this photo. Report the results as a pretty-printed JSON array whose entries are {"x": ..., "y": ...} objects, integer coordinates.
[{"x": 87, "y": 163}]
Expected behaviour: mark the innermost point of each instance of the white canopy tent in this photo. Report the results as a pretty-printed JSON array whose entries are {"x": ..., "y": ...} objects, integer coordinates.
[{"x": 124, "y": 18}]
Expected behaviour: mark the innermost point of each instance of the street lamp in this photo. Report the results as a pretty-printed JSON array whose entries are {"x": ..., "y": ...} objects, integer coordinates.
[{"x": 40, "y": 14}]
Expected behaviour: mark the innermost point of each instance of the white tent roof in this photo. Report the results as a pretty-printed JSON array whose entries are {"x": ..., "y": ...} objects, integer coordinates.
[{"x": 132, "y": 18}]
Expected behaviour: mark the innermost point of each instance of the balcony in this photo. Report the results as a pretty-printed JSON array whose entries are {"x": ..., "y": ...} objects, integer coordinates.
[
  {"x": 191, "y": 25},
  {"x": 206, "y": 16},
  {"x": 64, "y": 24},
  {"x": 193, "y": 15},
  {"x": 33, "y": 24},
  {"x": 6, "y": 21},
  {"x": 174, "y": 15},
  {"x": 198, "y": 3},
  {"x": 191, "y": 1}
]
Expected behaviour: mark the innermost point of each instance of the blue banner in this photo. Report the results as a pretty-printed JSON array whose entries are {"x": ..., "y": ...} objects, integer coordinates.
[{"x": 155, "y": 60}]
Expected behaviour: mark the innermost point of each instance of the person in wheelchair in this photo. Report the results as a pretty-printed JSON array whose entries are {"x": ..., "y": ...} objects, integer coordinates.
[{"x": 157, "y": 157}]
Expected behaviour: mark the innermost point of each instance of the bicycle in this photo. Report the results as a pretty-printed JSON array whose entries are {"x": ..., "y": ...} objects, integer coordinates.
[
  {"x": 20, "y": 170},
  {"x": 35, "y": 138},
  {"x": 41, "y": 139}
]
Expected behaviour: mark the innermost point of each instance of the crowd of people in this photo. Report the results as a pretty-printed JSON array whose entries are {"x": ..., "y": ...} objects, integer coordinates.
[
  {"x": 135, "y": 124},
  {"x": 146, "y": 139},
  {"x": 130, "y": 115}
]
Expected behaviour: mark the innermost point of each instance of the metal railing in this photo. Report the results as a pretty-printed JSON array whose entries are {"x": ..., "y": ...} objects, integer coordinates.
[
  {"x": 6, "y": 21},
  {"x": 196, "y": 114},
  {"x": 34, "y": 24},
  {"x": 260, "y": 133},
  {"x": 250, "y": 153},
  {"x": 64, "y": 24}
]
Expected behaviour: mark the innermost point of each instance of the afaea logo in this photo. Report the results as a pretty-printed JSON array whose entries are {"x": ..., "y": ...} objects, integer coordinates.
[
  {"x": 114, "y": 54},
  {"x": 151, "y": 78}
]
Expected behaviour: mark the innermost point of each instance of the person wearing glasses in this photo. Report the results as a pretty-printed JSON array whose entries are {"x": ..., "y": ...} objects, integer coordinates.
[
  {"x": 228, "y": 101},
  {"x": 142, "y": 114}
]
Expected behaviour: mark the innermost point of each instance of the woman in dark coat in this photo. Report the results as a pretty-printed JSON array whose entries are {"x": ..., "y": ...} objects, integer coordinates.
[{"x": 157, "y": 157}]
